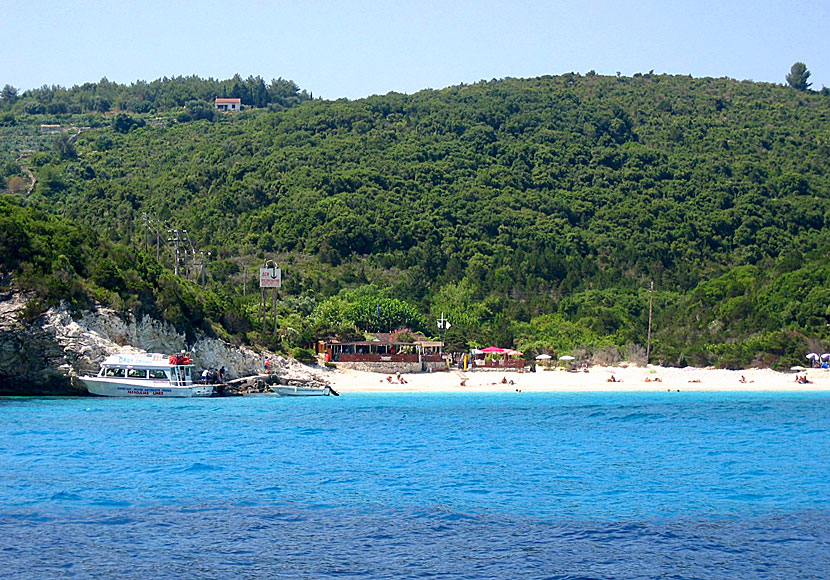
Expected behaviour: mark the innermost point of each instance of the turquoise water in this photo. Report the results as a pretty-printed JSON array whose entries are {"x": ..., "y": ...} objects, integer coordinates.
[{"x": 570, "y": 485}]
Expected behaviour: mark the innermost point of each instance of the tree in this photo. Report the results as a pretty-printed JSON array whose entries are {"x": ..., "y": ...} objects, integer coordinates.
[
  {"x": 123, "y": 123},
  {"x": 16, "y": 185},
  {"x": 63, "y": 147},
  {"x": 8, "y": 94},
  {"x": 798, "y": 76}
]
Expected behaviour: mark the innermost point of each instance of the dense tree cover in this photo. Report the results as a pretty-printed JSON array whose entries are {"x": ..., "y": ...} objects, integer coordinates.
[
  {"x": 58, "y": 260},
  {"x": 534, "y": 213},
  {"x": 163, "y": 94}
]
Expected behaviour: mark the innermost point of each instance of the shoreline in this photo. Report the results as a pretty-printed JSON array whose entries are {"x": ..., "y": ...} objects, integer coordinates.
[{"x": 597, "y": 379}]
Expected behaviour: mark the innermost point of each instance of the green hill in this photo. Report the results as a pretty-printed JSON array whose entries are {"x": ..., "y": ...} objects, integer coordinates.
[{"x": 532, "y": 212}]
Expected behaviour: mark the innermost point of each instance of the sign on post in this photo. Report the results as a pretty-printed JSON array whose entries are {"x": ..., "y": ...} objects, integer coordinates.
[{"x": 270, "y": 277}]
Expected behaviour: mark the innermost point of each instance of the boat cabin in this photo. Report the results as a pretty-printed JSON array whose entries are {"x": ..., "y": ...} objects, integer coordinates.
[{"x": 175, "y": 369}]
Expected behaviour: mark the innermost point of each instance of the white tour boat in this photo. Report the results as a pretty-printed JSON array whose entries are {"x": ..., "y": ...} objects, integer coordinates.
[{"x": 145, "y": 375}]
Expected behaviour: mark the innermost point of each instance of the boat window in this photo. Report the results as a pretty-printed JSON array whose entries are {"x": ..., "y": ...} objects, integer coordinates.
[
  {"x": 157, "y": 374},
  {"x": 114, "y": 372},
  {"x": 136, "y": 373}
]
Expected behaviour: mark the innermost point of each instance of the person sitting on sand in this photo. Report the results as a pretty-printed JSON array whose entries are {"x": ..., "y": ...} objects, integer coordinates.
[
  {"x": 742, "y": 379},
  {"x": 401, "y": 380},
  {"x": 613, "y": 379}
]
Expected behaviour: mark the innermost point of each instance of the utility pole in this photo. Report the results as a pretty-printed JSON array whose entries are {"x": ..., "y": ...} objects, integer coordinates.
[
  {"x": 443, "y": 324},
  {"x": 146, "y": 229},
  {"x": 176, "y": 240},
  {"x": 148, "y": 223},
  {"x": 650, "y": 308},
  {"x": 202, "y": 252}
]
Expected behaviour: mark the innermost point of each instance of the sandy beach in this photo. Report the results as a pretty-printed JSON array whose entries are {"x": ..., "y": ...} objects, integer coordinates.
[{"x": 631, "y": 378}]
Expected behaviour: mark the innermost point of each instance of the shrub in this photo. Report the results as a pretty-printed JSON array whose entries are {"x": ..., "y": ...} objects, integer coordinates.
[{"x": 304, "y": 355}]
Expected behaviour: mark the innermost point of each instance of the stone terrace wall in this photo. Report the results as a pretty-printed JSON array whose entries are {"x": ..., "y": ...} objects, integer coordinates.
[{"x": 382, "y": 367}]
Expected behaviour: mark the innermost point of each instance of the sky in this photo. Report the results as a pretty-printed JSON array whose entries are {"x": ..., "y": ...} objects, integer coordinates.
[{"x": 366, "y": 47}]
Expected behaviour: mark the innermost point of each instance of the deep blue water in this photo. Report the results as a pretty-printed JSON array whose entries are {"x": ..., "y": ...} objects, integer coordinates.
[{"x": 573, "y": 485}]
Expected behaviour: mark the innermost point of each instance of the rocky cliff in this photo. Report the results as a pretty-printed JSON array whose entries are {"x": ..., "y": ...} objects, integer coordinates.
[{"x": 43, "y": 356}]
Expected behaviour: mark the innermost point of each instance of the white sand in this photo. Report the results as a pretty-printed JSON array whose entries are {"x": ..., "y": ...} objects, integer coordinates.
[{"x": 632, "y": 379}]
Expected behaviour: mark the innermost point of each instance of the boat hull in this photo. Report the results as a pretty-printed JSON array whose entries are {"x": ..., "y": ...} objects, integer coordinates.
[
  {"x": 292, "y": 391},
  {"x": 107, "y": 388}
]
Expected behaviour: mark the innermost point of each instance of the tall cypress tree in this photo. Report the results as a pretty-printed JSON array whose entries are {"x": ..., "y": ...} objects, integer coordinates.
[{"x": 797, "y": 78}]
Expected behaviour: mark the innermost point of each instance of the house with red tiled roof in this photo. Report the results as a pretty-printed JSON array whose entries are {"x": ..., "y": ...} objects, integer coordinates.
[{"x": 228, "y": 104}]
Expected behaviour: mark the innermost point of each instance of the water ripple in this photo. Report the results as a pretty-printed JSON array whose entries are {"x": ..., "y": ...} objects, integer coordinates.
[{"x": 419, "y": 486}]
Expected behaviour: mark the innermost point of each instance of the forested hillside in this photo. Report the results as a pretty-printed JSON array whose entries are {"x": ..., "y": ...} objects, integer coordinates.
[
  {"x": 160, "y": 95},
  {"x": 533, "y": 213},
  {"x": 58, "y": 260}
]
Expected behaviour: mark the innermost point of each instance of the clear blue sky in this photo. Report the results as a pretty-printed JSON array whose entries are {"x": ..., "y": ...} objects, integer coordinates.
[{"x": 364, "y": 47}]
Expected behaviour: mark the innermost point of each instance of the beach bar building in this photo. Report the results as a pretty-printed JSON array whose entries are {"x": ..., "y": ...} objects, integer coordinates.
[{"x": 386, "y": 353}]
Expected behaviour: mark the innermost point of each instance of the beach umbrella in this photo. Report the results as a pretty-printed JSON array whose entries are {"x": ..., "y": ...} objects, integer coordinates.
[
  {"x": 543, "y": 356},
  {"x": 567, "y": 357},
  {"x": 812, "y": 356},
  {"x": 825, "y": 356},
  {"x": 493, "y": 350}
]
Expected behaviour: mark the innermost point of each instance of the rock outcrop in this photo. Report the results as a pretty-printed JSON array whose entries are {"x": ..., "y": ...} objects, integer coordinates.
[
  {"x": 262, "y": 384},
  {"x": 43, "y": 356}
]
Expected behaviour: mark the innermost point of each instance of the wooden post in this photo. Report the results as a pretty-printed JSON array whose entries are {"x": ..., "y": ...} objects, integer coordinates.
[
  {"x": 274, "y": 305},
  {"x": 262, "y": 307}
]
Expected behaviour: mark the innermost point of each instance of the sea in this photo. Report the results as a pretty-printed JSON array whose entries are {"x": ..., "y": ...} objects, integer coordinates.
[{"x": 669, "y": 485}]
